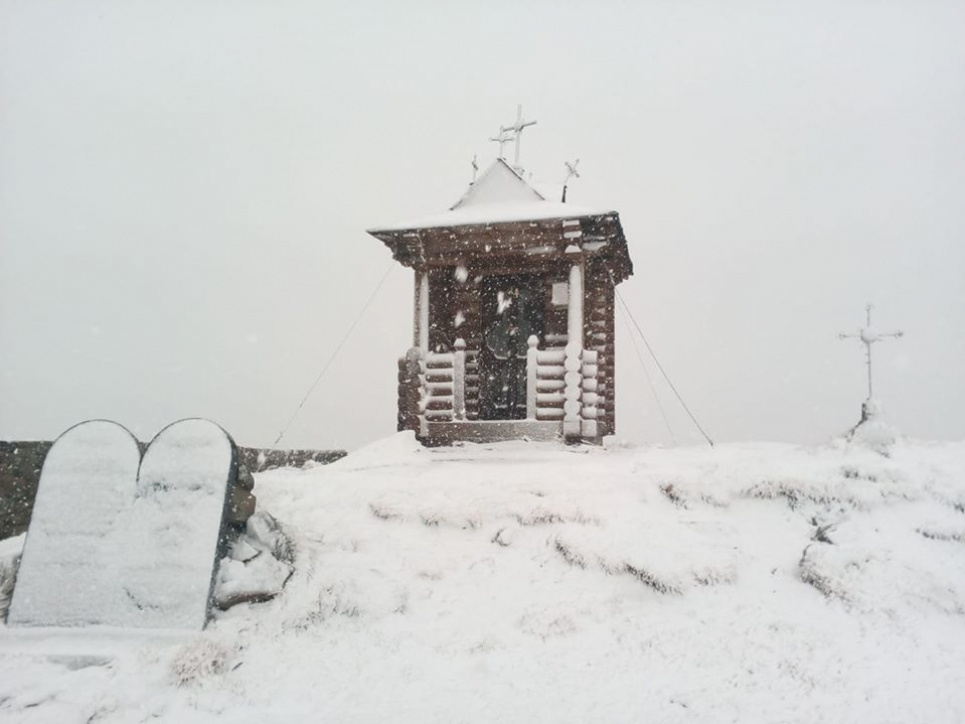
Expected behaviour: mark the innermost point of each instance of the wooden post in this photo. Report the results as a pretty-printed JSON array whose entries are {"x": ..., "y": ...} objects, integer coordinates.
[
  {"x": 532, "y": 363},
  {"x": 574, "y": 352},
  {"x": 459, "y": 380},
  {"x": 574, "y": 311},
  {"x": 410, "y": 389},
  {"x": 420, "y": 326},
  {"x": 417, "y": 283},
  {"x": 590, "y": 399}
]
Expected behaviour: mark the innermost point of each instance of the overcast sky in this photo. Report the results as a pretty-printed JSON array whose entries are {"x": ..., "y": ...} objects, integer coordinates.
[{"x": 184, "y": 189}]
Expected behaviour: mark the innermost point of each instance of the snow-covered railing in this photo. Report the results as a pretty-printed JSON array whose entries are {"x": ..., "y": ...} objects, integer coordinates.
[
  {"x": 545, "y": 382},
  {"x": 572, "y": 391},
  {"x": 591, "y": 394},
  {"x": 471, "y": 390},
  {"x": 438, "y": 386},
  {"x": 563, "y": 384}
]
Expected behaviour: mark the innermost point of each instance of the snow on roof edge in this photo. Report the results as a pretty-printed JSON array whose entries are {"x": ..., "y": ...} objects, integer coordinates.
[
  {"x": 498, "y": 175},
  {"x": 497, "y": 214}
]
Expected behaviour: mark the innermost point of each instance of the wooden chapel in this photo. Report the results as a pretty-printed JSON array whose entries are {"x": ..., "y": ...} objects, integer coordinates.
[{"x": 513, "y": 332}]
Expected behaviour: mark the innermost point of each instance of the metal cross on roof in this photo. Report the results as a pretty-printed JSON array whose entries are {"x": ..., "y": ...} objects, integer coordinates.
[
  {"x": 517, "y": 130},
  {"x": 502, "y": 138},
  {"x": 571, "y": 170},
  {"x": 570, "y": 173},
  {"x": 868, "y": 337}
]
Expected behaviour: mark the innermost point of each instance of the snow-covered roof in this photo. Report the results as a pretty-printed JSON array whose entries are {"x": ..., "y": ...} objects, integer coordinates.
[
  {"x": 500, "y": 195},
  {"x": 499, "y": 184}
]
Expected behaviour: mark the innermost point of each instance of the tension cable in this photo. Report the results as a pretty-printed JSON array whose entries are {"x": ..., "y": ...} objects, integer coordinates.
[
  {"x": 334, "y": 353},
  {"x": 646, "y": 373},
  {"x": 659, "y": 366}
]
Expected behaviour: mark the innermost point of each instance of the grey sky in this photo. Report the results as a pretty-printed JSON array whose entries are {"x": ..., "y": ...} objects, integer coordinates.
[{"x": 184, "y": 188}]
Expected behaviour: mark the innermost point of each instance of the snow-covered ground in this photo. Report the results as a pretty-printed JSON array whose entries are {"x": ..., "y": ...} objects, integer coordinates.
[{"x": 523, "y": 582}]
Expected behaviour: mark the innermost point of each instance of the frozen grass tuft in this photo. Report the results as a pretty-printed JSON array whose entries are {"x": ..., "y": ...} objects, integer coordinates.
[
  {"x": 547, "y": 624},
  {"x": 504, "y": 537},
  {"x": 814, "y": 571},
  {"x": 650, "y": 579},
  {"x": 8, "y": 577},
  {"x": 956, "y": 536},
  {"x": 795, "y": 492},
  {"x": 539, "y": 516},
  {"x": 430, "y": 519},
  {"x": 887, "y": 565},
  {"x": 673, "y": 495},
  {"x": 383, "y": 512},
  {"x": 335, "y": 600},
  {"x": 542, "y": 515},
  {"x": 666, "y": 556},
  {"x": 569, "y": 554},
  {"x": 713, "y": 576},
  {"x": 10, "y": 550},
  {"x": 198, "y": 661}
]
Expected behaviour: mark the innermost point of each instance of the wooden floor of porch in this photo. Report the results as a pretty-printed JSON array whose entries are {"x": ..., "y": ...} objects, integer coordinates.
[{"x": 447, "y": 432}]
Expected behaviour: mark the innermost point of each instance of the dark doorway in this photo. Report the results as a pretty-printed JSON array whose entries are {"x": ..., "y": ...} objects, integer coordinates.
[{"x": 512, "y": 310}]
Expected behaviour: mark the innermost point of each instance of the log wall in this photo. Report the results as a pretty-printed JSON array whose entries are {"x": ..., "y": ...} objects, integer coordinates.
[{"x": 455, "y": 303}]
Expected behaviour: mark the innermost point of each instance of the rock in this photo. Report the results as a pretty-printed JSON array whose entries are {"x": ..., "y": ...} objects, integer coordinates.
[
  {"x": 241, "y": 506},
  {"x": 246, "y": 481},
  {"x": 265, "y": 532},
  {"x": 10, "y": 550},
  {"x": 258, "y": 580},
  {"x": 257, "y": 566},
  {"x": 873, "y": 432},
  {"x": 242, "y": 551}
]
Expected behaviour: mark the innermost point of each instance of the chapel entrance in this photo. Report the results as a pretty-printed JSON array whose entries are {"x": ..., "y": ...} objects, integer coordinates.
[{"x": 512, "y": 310}]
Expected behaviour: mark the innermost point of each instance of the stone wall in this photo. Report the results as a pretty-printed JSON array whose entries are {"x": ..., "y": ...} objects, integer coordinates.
[
  {"x": 257, "y": 459},
  {"x": 21, "y": 462}
]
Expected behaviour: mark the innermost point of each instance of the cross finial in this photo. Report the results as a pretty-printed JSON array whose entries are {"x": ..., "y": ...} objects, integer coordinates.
[
  {"x": 868, "y": 336},
  {"x": 517, "y": 130},
  {"x": 571, "y": 170},
  {"x": 502, "y": 138},
  {"x": 570, "y": 173}
]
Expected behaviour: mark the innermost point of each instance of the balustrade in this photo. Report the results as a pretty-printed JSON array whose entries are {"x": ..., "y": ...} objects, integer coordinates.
[{"x": 561, "y": 385}]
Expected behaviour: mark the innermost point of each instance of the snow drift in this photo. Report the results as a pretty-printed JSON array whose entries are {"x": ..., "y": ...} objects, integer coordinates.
[{"x": 527, "y": 582}]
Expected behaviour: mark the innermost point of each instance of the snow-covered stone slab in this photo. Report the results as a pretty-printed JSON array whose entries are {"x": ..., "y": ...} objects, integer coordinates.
[
  {"x": 85, "y": 646},
  {"x": 71, "y": 565},
  {"x": 174, "y": 532}
]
